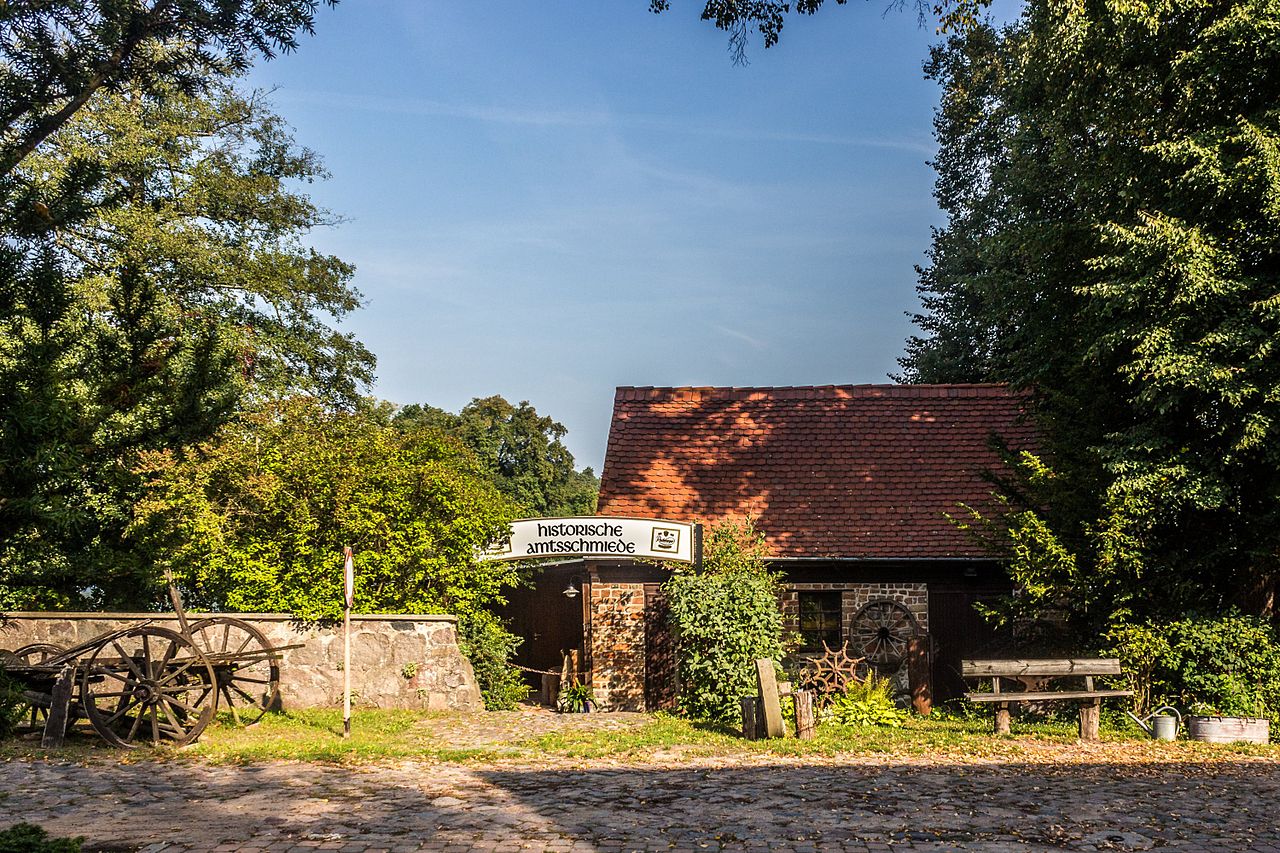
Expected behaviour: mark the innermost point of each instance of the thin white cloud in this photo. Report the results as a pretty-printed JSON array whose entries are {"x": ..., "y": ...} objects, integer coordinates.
[
  {"x": 742, "y": 336},
  {"x": 580, "y": 118}
]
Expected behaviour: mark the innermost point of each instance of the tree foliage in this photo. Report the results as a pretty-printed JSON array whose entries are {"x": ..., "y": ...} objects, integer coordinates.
[
  {"x": 56, "y": 54},
  {"x": 521, "y": 450},
  {"x": 767, "y": 17},
  {"x": 182, "y": 290},
  {"x": 256, "y": 518},
  {"x": 1111, "y": 174},
  {"x": 724, "y": 619}
]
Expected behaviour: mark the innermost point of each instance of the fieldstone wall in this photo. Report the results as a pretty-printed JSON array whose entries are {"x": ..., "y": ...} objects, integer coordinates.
[
  {"x": 853, "y": 596},
  {"x": 618, "y": 646},
  {"x": 396, "y": 661}
]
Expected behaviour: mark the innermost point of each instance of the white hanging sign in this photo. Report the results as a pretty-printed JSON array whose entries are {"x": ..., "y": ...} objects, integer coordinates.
[
  {"x": 596, "y": 536},
  {"x": 349, "y": 581}
]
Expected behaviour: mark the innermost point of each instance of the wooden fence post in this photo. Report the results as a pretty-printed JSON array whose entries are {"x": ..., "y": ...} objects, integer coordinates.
[
  {"x": 750, "y": 717},
  {"x": 55, "y": 725},
  {"x": 805, "y": 722},
  {"x": 919, "y": 676}
]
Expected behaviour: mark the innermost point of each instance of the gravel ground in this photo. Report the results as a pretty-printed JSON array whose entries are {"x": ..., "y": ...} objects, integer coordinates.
[{"x": 1063, "y": 799}]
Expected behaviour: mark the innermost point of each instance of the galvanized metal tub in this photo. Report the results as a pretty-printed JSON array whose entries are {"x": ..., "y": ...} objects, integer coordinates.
[{"x": 1229, "y": 729}]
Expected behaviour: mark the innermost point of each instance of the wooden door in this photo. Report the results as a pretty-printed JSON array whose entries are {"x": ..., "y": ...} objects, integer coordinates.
[{"x": 959, "y": 632}]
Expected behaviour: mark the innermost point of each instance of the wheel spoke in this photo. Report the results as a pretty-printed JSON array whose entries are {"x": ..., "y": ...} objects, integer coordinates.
[
  {"x": 231, "y": 704},
  {"x": 248, "y": 638},
  {"x": 177, "y": 672},
  {"x": 178, "y": 728},
  {"x": 137, "y": 721},
  {"x": 121, "y": 710},
  {"x": 128, "y": 661},
  {"x": 251, "y": 679}
]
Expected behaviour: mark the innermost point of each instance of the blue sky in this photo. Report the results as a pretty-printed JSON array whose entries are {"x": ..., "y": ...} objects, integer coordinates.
[{"x": 547, "y": 200}]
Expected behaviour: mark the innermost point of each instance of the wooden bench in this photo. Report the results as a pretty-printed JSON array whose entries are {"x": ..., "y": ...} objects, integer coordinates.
[{"x": 1023, "y": 671}]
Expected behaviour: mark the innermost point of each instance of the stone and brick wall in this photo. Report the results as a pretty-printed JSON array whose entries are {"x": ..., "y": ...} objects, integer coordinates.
[
  {"x": 853, "y": 596},
  {"x": 396, "y": 661},
  {"x": 617, "y": 642}
]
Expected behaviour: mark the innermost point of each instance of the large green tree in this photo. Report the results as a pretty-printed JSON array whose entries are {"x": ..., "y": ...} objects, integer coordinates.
[
  {"x": 256, "y": 518},
  {"x": 1111, "y": 173},
  {"x": 521, "y": 450},
  {"x": 183, "y": 290}
]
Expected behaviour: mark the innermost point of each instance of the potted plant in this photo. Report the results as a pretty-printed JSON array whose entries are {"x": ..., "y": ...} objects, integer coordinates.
[
  {"x": 1228, "y": 722},
  {"x": 575, "y": 699}
]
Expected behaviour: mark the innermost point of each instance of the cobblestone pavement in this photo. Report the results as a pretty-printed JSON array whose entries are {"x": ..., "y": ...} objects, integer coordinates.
[{"x": 748, "y": 804}]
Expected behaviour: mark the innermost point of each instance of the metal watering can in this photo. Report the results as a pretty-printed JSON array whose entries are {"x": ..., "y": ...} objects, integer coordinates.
[{"x": 1163, "y": 726}]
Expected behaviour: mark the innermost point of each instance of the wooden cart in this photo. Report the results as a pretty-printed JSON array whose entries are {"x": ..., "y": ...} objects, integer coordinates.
[{"x": 148, "y": 684}]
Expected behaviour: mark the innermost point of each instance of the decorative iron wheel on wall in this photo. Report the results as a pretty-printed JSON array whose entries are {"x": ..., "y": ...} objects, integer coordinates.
[{"x": 880, "y": 632}]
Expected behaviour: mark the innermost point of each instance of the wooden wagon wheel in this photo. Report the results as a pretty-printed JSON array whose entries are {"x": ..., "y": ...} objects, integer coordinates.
[
  {"x": 245, "y": 665},
  {"x": 881, "y": 630},
  {"x": 35, "y": 654},
  {"x": 148, "y": 685}
]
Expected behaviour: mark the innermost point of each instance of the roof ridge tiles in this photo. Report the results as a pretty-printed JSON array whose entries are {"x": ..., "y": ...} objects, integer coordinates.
[{"x": 693, "y": 393}]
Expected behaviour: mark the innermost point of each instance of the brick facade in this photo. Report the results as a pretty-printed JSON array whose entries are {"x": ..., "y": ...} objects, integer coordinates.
[{"x": 617, "y": 645}]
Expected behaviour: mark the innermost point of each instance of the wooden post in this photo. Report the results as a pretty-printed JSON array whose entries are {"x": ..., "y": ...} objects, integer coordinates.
[
  {"x": 55, "y": 725},
  {"x": 1090, "y": 713},
  {"x": 750, "y": 717},
  {"x": 1090, "y": 717},
  {"x": 1002, "y": 718},
  {"x": 575, "y": 666},
  {"x": 697, "y": 549},
  {"x": 919, "y": 676},
  {"x": 1002, "y": 709},
  {"x": 806, "y": 725},
  {"x": 771, "y": 704},
  {"x": 550, "y": 689}
]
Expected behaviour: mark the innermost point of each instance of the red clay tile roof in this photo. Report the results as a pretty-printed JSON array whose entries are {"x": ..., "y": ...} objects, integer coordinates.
[{"x": 828, "y": 471}]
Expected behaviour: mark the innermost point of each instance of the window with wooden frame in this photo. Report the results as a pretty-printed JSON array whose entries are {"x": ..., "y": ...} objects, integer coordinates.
[{"x": 819, "y": 619}]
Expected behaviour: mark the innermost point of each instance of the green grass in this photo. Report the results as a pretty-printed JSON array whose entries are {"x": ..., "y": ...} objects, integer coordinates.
[{"x": 316, "y": 735}]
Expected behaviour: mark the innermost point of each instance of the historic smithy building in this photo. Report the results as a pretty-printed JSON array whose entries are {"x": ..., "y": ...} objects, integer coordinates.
[{"x": 852, "y": 486}]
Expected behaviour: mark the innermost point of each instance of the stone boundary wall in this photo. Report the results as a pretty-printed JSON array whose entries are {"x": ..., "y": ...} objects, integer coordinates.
[{"x": 397, "y": 661}]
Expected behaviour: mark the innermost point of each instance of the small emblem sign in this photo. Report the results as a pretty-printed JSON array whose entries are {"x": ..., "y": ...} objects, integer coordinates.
[{"x": 665, "y": 540}]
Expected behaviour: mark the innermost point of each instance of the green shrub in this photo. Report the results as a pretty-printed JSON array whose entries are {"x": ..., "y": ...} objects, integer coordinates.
[
  {"x": 13, "y": 707},
  {"x": 866, "y": 703},
  {"x": 489, "y": 646},
  {"x": 1228, "y": 665},
  {"x": 29, "y": 838},
  {"x": 724, "y": 619}
]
